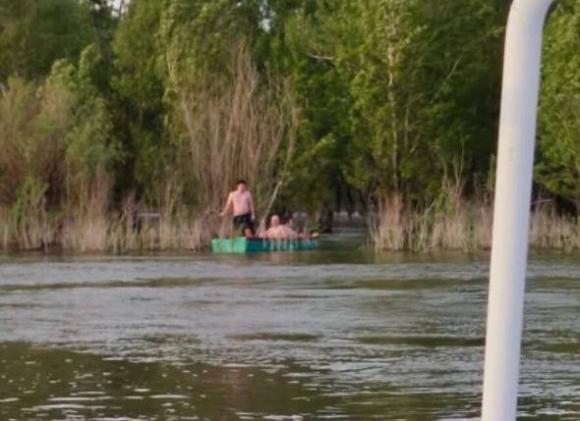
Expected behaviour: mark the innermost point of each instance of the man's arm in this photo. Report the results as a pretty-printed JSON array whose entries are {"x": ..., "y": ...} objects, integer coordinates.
[{"x": 228, "y": 205}]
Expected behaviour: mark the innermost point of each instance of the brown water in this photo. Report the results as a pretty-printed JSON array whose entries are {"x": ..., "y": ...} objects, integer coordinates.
[{"x": 335, "y": 334}]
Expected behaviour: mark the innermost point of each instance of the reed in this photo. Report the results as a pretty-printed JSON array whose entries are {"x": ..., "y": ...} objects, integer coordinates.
[
  {"x": 94, "y": 231},
  {"x": 550, "y": 230},
  {"x": 87, "y": 226},
  {"x": 91, "y": 224},
  {"x": 459, "y": 224}
]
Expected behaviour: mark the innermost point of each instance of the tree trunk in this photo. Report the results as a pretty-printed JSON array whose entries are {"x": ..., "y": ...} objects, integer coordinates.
[{"x": 392, "y": 100}]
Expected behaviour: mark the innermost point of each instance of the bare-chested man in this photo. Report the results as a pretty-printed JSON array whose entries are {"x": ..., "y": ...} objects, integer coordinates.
[
  {"x": 242, "y": 205},
  {"x": 279, "y": 231}
]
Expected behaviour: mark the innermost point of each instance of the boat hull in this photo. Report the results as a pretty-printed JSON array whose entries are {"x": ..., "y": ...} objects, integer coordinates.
[{"x": 243, "y": 245}]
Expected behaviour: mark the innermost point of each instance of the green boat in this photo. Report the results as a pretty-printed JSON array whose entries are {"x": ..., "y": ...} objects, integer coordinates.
[{"x": 242, "y": 245}]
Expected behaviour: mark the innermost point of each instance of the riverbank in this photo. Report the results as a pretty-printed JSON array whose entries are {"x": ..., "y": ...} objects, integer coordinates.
[{"x": 463, "y": 227}]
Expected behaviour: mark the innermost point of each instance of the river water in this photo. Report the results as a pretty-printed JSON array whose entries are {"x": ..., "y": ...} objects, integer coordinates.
[{"x": 332, "y": 334}]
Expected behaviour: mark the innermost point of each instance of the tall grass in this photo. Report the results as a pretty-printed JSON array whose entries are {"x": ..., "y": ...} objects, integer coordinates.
[
  {"x": 453, "y": 223},
  {"x": 550, "y": 230},
  {"x": 86, "y": 226},
  {"x": 94, "y": 228},
  {"x": 456, "y": 223}
]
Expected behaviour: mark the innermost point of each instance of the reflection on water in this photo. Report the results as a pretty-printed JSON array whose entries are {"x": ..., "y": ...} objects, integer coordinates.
[
  {"x": 327, "y": 335},
  {"x": 56, "y": 384}
]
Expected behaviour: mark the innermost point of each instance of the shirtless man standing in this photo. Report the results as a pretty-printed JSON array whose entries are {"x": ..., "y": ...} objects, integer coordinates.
[{"x": 242, "y": 205}]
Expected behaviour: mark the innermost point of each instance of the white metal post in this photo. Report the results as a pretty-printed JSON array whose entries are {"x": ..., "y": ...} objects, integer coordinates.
[{"x": 521, "y": 80}]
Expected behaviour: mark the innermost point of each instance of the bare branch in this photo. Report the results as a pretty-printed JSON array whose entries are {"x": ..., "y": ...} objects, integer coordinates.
[{"x": 319, "y": 57}]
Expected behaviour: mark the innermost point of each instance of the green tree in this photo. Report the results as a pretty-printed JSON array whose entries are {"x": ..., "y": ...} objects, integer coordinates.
[
  {"x": 56, "y": 135},
  {"x": 139, "y": 87},
  {"x": 558, "y": 169},
  {"x": 301, "y": 45},
  {"x": 189, "y": 41},
  {"x": 33, "y": 34},
  {"x": 391, "y": 101},
  {"x": 461, "y": 81}
]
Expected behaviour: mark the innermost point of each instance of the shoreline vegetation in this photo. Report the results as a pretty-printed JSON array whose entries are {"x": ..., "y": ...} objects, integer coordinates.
[
  {"x": 457, "y": 225},
  {"x": 115, "y": 141},
  {"x": 466, "y": 226}
]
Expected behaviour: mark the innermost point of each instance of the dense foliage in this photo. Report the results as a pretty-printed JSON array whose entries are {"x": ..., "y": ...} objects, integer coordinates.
[{"x": 345, "y": 101}]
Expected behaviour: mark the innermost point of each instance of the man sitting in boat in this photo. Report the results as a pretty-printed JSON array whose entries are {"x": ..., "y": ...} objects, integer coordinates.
[
  {"x": 242, "y": 205},
  {"x": 279, "y": 231}
]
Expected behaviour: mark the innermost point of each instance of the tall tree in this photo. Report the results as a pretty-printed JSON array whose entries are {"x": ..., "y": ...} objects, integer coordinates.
[
  {"x": 558, "y": 169},
  {"x": 139, "y": 86},
  {"x": 33, "y": 34}
]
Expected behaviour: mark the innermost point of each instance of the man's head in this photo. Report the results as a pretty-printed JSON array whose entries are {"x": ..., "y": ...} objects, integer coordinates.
[
  {"x": 241, "y": 186},
  {"x": 275, "y": 221}
]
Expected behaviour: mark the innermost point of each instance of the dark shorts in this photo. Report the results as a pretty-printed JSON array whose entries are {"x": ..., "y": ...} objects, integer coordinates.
[{"x": 243, "y": 222}]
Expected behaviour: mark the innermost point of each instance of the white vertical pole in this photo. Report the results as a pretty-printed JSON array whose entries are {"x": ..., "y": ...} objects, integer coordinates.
[{"x": 521, "y": 81}]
